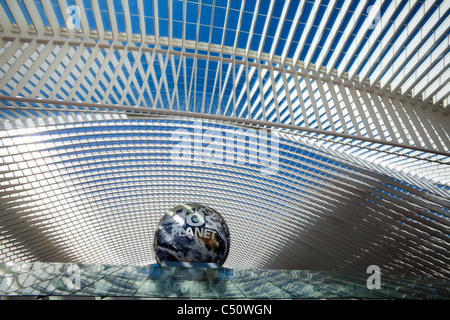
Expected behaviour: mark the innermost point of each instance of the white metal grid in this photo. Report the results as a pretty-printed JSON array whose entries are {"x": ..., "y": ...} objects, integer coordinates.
[
  {"x": 94, "y": 190},
  {"x": 357, "y": 91}
]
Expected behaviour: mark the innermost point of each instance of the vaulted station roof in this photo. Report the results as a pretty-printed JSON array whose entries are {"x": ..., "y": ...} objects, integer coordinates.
[{"x": 319, "y": 129}]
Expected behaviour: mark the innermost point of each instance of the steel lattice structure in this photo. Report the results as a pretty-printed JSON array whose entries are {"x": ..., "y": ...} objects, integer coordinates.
[{"x": 319, "y": 129}]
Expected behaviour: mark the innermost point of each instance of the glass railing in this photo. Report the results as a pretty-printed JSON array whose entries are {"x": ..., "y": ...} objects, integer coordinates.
[{"x": 67, "y": 280}]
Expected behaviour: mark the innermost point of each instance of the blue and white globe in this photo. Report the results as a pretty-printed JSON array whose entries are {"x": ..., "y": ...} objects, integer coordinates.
[{"x": 192, "y": 233}]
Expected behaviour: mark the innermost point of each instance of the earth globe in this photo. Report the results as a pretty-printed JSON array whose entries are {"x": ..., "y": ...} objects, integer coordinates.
[{"x": 192, "y": 233}]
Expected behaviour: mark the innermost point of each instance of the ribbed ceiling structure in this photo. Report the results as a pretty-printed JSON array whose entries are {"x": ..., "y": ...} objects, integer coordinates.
[{"x": 320, "y": 130}]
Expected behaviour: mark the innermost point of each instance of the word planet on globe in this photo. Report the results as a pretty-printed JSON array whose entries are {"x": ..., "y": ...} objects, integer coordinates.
[{"x": 192, "y": 233}]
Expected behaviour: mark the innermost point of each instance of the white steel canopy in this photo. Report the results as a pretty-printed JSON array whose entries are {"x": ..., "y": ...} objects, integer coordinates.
[{"x": 319, "y": 129}]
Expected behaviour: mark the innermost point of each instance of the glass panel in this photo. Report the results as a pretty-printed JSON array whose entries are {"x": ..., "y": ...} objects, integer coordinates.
[{"x": 82, "y": 280}]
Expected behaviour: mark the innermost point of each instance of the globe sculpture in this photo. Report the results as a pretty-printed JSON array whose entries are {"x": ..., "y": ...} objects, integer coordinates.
[{"x": 192, "y": 233}]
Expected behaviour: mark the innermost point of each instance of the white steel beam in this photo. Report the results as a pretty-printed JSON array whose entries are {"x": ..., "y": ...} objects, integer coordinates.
[
  {"x": 278, "y": 31},
  {"x": 24, "y": 56},
  {"x": 18, "y": 15},
  {"x": 345, "y": 37},
  {"x": 332, "y": 35},
  {"x": 410, "y": 76},
  {"x": 319, "y": 33},
  {"x": 398, "y": 44},
  {"x": 265, "y": 29},
  {"x": 415, "y": 45},
  {"x": 305, "y": 32}
]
